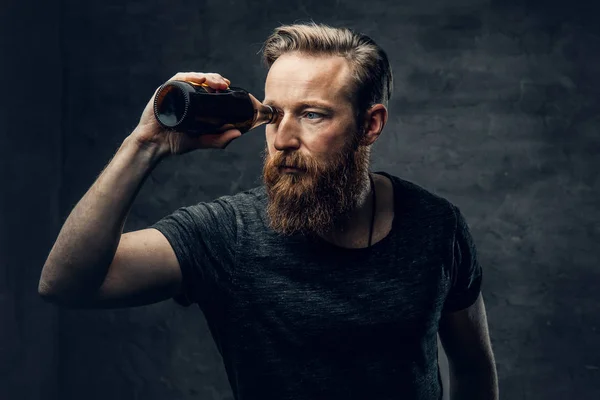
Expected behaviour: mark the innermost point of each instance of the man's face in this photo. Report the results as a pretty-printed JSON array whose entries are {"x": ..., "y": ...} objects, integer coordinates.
[{"x": 318, "y": 135}]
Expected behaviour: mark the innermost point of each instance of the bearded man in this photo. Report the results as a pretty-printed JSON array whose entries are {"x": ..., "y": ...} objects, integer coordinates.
[{"x": 328, "y": 281}]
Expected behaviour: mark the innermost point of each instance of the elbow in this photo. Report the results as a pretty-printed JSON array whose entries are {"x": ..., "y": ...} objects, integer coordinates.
[
  {"x": 63, "y": 297},
  {"x": 51, "y": 294},
  {"x": 57, "y": 299},
  {"x": 44, "y": 288},
  {"x": 47, "y": 292},
  {"x": 51, "y": 287}
]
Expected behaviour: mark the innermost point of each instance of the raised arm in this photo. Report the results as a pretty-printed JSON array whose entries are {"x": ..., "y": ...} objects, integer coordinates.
[{"x": 92, "y": 263}]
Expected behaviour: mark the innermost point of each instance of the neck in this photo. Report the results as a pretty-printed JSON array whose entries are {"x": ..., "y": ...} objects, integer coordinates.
[{"x": 357, "y": 224}]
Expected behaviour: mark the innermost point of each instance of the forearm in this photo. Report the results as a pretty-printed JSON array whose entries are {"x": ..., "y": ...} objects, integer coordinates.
[
  {"x": 88, "y": 240},
  {"x": 480, "y": 384}
]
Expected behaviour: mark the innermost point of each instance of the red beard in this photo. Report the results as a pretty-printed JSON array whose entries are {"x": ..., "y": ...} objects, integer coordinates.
[{"x": 320, "y": 196}]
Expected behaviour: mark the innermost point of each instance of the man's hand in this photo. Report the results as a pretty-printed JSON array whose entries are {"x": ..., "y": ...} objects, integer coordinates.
[{"x": 149, "y": 133}]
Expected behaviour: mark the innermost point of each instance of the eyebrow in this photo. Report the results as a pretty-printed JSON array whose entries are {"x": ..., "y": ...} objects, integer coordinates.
[{"x": 304, "y": 104}]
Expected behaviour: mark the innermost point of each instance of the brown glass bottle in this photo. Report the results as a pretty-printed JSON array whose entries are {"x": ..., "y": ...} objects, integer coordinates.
[{"x": 198, "y": 109}]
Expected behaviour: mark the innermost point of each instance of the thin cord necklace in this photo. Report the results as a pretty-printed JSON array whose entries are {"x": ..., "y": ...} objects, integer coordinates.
[{"x": 373, "y": 209}]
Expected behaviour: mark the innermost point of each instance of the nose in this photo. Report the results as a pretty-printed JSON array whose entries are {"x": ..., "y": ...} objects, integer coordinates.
[{"x": 286, "y": 134}]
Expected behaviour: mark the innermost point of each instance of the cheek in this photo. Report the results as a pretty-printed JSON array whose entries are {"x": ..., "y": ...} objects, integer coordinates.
[
  {"x": 269, "y": 132},
  {"x": 269, "y": 138},
  {"x": 327, "y": 141}
]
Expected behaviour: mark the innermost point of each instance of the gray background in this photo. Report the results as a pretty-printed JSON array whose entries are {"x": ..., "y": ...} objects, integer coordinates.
[{"x": 496, "y": 107}]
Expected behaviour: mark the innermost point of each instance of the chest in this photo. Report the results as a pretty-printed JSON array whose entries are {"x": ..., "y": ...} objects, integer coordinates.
[{"x": 338, "y": 302}]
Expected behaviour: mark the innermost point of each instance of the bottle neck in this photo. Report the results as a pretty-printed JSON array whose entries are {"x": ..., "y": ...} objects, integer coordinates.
[{"x": 263, "y": 114}]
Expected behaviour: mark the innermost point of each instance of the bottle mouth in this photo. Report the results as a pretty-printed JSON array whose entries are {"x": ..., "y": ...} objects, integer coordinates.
[
  {"x": 274, "y": 114},
  {"x": 171, "y": 104}
]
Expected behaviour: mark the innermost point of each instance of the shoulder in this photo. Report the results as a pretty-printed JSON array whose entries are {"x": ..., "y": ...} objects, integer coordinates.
[
  {"x": 410, "y": 195},
  {"x": 422, "y": 212},
  {"x": 248, "y": 199},
  {"x": 247, "y": 207},
  {"x": 225, "y": 207}
]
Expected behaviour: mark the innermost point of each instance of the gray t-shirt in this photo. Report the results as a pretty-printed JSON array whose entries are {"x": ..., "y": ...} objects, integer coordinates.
[{"x": 300, "y": 318}]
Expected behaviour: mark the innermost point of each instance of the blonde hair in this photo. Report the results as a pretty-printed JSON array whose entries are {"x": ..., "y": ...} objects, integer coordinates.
[{"x": 371, "y": 70}]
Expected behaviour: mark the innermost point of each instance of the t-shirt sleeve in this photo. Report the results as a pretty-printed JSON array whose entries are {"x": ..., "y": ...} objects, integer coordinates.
[
  {"x": 204, "y": 239},
  {"x": 466, "y": 273}
]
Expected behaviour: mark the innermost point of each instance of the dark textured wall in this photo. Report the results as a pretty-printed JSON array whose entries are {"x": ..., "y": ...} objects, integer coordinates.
[
  {"x": 496, "y": 108},
  {"x": 30, "y": 178}
]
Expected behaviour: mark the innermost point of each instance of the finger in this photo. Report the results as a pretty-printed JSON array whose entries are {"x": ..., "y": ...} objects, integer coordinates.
[
  {"x": 220, "y": 140},
  {"x": 196, "y": 77},
  {"x": 216, "y": 81},
  {"x": 229, "y": 137},
  {"x": 213, "y": 80}
]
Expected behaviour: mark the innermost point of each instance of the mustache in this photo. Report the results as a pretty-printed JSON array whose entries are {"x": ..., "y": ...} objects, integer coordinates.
[{"x": 294, "y": 160}]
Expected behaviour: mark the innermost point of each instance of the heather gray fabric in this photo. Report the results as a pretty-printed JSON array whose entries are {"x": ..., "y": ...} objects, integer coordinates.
[{"x": 299, "y": 318}]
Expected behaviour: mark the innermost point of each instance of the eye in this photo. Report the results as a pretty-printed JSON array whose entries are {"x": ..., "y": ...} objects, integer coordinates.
[{"x": 313, "y": 114}]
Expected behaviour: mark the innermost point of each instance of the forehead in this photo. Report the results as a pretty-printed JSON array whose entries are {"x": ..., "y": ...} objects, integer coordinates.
[{"x": 297, "y": 77}]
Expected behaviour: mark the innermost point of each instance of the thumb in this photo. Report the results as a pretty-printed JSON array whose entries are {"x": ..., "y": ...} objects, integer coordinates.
[
  {"x": 217, "y": 140},
  {"x": 229, "y": 136}
]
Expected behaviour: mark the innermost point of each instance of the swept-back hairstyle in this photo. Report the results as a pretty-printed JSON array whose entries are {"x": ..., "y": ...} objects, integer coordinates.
[{"x": 372, "y": 80}]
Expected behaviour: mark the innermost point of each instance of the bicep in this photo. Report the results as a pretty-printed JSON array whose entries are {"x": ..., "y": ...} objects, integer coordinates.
[
  {"x": 144, "y": 270},
  {"x": 465, "y": 336}
]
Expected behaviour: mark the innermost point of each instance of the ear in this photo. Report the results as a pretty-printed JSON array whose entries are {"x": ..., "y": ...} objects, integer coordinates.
[{"x": 375, "y": 119}]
